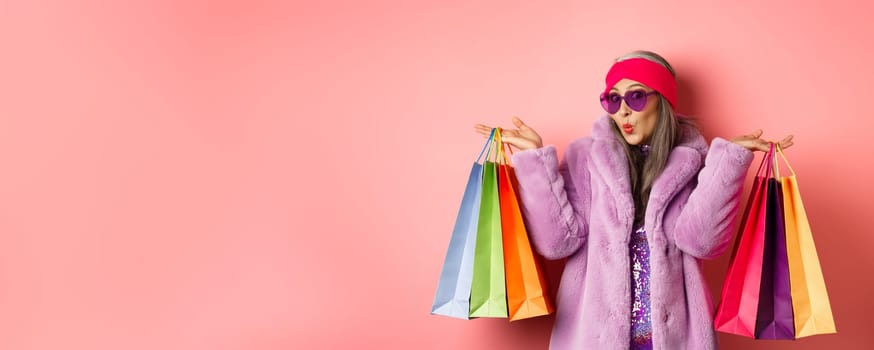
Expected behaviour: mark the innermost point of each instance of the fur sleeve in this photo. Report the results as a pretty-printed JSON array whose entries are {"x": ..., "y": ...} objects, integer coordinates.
[
  {"x": 554, "y": 198},
  {"x": 703, "y": 228}
]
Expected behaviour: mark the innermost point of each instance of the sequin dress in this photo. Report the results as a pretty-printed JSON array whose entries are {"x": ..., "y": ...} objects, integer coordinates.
[
  {"x": 641, "y": 325},
  {"x": 641, "y": 317}
]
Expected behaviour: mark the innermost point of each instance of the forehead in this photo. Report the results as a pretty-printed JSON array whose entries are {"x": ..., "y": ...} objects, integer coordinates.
[{"x": 626, "y": 84}]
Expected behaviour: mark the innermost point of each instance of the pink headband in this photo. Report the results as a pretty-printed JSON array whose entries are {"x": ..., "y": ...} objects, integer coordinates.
[{"x": 646, "y": 72}]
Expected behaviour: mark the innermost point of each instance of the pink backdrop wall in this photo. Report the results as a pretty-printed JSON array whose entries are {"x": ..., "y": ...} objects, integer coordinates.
[{"x": 273, "y": 175}]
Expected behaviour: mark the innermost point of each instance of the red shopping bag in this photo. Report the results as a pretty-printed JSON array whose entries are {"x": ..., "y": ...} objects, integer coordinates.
[{"x": 737, "y": 310}]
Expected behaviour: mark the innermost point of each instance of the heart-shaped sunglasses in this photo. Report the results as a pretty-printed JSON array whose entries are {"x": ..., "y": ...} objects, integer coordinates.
[{"x": 635, "y": 99}]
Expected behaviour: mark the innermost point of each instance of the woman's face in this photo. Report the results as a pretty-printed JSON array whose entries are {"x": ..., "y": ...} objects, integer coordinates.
[{"x": 636, "y": 127}]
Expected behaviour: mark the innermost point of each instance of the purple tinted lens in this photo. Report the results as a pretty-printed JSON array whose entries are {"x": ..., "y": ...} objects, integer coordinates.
[
  {"x": 636, "y": 100},
  {"x": 611, "y": 102},
  {"x": 604, "y": 103}
]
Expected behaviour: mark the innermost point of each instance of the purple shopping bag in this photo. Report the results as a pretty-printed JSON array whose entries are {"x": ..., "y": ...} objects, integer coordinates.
[{"x": 775, "y": 319}]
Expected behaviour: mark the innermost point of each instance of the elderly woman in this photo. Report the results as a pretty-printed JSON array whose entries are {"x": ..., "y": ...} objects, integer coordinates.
[{"x": 634, "y": 207}]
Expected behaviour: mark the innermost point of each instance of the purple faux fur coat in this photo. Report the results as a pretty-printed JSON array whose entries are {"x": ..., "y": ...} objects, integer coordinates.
[{"x": 582, "y": 209}]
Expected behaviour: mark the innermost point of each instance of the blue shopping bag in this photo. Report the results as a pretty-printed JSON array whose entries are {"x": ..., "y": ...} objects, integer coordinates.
[{"x": 453, "y": 291}]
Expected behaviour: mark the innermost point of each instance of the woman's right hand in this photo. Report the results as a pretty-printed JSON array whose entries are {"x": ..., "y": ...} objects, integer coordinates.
[{"x": 522, "y": 138}]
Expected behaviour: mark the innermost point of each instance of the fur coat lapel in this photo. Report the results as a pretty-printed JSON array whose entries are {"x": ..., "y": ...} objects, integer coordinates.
[{"x": 608, "y": 160}]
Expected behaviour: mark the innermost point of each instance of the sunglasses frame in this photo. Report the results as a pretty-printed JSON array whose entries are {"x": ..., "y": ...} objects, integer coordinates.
[{"x": 626, "y": 97}]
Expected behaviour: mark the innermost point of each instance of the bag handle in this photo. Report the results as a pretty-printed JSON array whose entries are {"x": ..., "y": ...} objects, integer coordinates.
[
  {"x": 776, "y": 174},
  {"x": 488, "y": 143},
  {"x": 786, "y": 161},
  {"x": 507, "y": 159},
  {"x": 769, "y": 158},
  {"x": 499, "y": 151}
]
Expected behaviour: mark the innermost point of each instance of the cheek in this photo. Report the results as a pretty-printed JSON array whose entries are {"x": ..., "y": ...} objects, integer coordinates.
[
  {"x": 616, "y": 120},
  {"x": 648, "y": 122},
  {"x": 650, "y": 115},
  {"x": 650, "y": 127},
  {"x": 652, "y": 107}
]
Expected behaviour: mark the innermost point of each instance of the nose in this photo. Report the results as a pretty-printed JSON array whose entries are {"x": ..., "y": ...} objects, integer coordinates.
[{"x": 624, "y": 110}]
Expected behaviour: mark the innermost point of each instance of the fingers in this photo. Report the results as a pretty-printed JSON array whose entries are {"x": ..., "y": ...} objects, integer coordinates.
[
  {"x": 753, "y": 136},
  {"x": 756, "y": 134},
  {"x": 754, "y": 142},
  {"x": 487, "y": 130},
  {"x": 514, "y": 138},
  {"x": 511, "y": 140},
  {"x": 762, "y": 145},
  {"x": 786, "y": 142},
  {"x": 518, "y": 123},
  {"x": 518, "y": 142},
  {"x": 483, "y": 129},
  {"x": 509, "y": 133}
]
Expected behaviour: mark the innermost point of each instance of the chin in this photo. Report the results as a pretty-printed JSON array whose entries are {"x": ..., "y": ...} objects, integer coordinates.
[{"x": 634, "y": 141}]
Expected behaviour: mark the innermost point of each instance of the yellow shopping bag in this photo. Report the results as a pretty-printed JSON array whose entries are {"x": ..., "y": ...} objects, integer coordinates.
[{"x": 810, "y": 303}]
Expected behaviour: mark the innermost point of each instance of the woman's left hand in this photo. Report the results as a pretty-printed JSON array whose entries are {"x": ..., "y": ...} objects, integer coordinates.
[{"x": 753, "y": 142}]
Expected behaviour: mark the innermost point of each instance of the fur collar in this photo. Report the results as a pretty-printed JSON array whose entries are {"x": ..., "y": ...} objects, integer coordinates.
[{"x": 609, "y": 161}]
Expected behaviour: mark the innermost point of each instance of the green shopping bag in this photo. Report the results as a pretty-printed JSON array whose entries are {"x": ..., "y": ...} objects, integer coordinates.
[{"x": 488, "y": 292}]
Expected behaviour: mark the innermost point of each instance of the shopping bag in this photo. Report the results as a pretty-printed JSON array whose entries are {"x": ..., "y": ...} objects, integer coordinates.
[
  {"x": 453, "y": 290},
  {"x": 527, "y": 291},
  {"x": 738, "y": 306},
  {"x": 810, "y": 301},
  {"x": 488, "y": 294},
  {"x": 774, "y": 319}
]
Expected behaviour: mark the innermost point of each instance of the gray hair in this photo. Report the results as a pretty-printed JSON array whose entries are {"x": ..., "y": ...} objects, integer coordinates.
[
  {"x": 649, "y": 55},
  {"x": 643, "y": 170}
]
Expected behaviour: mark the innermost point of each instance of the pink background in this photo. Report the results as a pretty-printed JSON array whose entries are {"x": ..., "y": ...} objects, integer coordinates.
[{"x": 267, "y": 175}]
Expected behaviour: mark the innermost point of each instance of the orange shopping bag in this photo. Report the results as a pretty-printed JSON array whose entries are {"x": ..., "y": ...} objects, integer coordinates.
[{"x": 527, "y": 291}]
